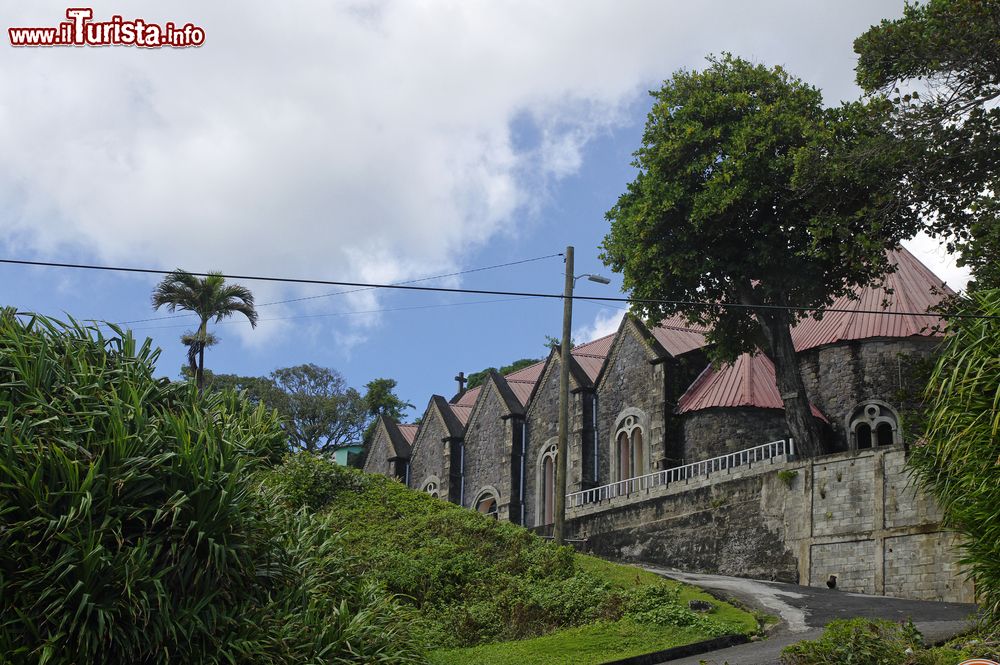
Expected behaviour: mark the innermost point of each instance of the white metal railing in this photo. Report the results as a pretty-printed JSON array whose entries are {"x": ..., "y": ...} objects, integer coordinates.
[{"x": 760, "y": 453}]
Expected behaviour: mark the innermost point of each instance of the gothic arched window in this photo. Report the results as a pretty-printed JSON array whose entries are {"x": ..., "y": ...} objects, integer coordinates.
[
  {"x": 631, "y": 458},
  {"x": 546, "y": 499}
]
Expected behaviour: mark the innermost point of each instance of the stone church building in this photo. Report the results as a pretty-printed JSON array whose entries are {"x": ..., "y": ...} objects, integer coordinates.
[{"x": 671, "y": 460}]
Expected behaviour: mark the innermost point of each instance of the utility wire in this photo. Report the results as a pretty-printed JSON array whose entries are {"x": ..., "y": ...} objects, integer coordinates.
[
  {"x": 366, "y": 311},
  {"x": 367, "y": 288},
  {"x": 491, "y": 292}
]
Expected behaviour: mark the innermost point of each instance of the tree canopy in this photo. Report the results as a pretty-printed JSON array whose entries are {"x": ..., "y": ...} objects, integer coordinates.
[
  {"x": 940, "y": 64},
  {"x": 749, "y": 191},
  {"x": 319, "y": 411},
  {"x": 209, "y": 298}
]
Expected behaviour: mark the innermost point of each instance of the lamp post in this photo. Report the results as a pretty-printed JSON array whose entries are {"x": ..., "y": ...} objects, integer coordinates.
[{"x": 564, "y": 349}]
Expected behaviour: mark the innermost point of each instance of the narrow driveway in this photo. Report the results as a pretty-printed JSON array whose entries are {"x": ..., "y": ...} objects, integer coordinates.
[{"x": 805, "y": 610}]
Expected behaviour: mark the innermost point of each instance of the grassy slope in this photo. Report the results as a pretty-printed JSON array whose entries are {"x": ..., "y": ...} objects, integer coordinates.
[
  {"x": 604, "y": 640},
  {"x": 492, "y": 592}
]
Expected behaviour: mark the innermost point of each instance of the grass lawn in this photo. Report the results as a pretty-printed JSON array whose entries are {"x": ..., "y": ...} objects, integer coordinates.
[
  {"x": 602, "y": 641},
  {"x": 593, "y": 644}
]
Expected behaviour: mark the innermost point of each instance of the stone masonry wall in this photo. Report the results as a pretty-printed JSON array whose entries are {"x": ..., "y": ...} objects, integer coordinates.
[
  {"x": 630, "y": 381},
  {"x": 487, "y": 449},
  {"x": 427, "y": 458},
  {"x": 856, "y": 516},
  {"x": 839, "y": 377},
  {"x": 715, "y": 432},
  {"x": 542, "y": 429},
  {"x": 379, "y": 453}
]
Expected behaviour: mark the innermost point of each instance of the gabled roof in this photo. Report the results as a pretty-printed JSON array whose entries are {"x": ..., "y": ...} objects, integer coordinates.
[
  {"x": 409, "y": 432},
  {"x": 461, "y": 412},
  {"x": 590, "y": 356},
  {"x": 677, "y": 336},
  {"x": 400, "y": 444},
  {"x": 911, "y": 288},
  {"x": 452, "y": 420},
  {"x": 507, "y": 395},
  {"x": 523, "y": 381},
  {"x": 748, "y": 382}
]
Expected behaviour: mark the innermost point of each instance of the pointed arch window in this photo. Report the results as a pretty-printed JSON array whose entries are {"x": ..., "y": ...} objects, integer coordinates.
[
  {"x": 546, "y": 499},
  {"x": 631, "y": 448}
]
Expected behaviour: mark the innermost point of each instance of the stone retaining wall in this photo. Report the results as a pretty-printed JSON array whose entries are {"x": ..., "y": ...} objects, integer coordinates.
[{"x": 858, "y": 517}]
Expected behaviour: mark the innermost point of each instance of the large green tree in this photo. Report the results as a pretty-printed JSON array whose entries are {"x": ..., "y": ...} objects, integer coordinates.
[
  {"x": 749, "y": 191},
  {"x": 320, "y": 412},
  {"x": 940, "y": 65},
  {"x": 209, "y": 298}
]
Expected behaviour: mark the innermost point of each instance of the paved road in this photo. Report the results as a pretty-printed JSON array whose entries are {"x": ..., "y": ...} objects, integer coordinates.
[{"x": 805, "y": 610}]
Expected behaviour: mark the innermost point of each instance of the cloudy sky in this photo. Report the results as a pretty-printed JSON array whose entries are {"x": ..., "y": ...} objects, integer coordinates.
[{"x": 363, "y": 141}]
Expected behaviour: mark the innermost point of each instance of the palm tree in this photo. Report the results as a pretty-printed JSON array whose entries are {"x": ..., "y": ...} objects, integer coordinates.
[{"x": 208, "y": 297}]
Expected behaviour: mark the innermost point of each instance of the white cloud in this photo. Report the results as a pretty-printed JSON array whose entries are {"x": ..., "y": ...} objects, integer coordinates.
[
  {"x": 604, "y": 323},
  {"x": 933, "y": 254},
  {"x": 347, "y": 139}
]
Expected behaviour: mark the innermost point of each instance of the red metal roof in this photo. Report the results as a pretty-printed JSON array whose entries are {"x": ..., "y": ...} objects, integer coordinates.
[
  {"x": 523, "y": 381},
  {"x": 748, "y": 382},
  {"x": 678, "y": 336},
  {"x": 590, "y": 356},
  {"x": 470, "y": 396},
  {"x": 409, "y": 432},
  {"x": 461, "y": 412},
  {"x": 910, "y": 289}
]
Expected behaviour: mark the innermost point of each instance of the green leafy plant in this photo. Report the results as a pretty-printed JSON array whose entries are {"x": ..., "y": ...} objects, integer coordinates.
[
  {"x": 856, "y": 641},
  {"x": 788, "y": 476},
  {"x": 132, "y": 530},
  {"x": 956, "y": 459}
]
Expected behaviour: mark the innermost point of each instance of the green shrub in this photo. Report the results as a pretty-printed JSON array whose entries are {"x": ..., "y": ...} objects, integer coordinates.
[
  {"x": 473, "y": 579},
  {"x": 857, "y": 642},
  {"x": 130, "y": 530},
  {"x": 956, "y": 459}
]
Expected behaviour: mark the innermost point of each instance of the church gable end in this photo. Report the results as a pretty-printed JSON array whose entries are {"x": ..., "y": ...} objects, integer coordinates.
[
  {"x": 427, "y": 457},
  {"x": 379, "y": 452}
]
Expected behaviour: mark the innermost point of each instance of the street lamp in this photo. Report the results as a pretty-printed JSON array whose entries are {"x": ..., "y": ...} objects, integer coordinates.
[{"x": 564, "y": 349}]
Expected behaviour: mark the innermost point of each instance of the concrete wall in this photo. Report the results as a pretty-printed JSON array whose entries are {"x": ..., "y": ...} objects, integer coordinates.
[{"x": 855, "y": 516}]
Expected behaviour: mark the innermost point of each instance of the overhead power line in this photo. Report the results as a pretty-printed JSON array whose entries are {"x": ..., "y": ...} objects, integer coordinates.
[
  {"x": 493, "y": 292},
  {"x": 348, "y": 313},
  {"x": 367, "y": 288}
]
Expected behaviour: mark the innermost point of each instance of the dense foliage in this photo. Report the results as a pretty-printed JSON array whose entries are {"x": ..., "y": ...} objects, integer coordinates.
[
  {"x": 750, "y": 192},
  {"x": 470, "y": 578},
  {"x": 132, "y": 530},
  {"x": 957, "y": 457},
  {"x": 855, "y": 641},
  {"x": 318, "y": 410},
  {"x": 882, "y": 642},
  {"x": 940, "y": 64}
]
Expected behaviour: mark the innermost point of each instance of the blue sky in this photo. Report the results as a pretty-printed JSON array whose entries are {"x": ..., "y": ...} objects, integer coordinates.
[{"x": 361, "y": 141}]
